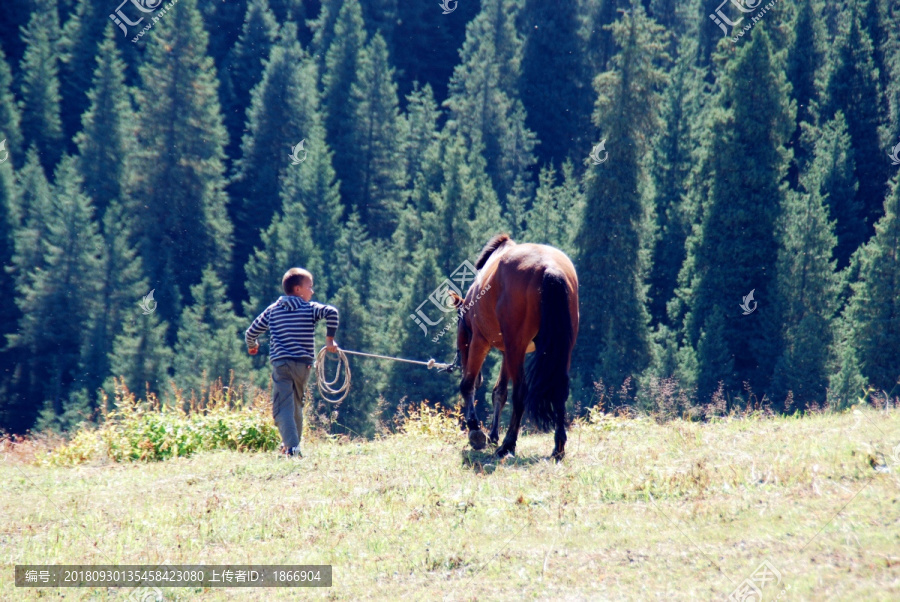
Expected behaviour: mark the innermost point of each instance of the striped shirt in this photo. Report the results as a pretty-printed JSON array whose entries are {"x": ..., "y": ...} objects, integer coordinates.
[{"x": 292, "y": 322}]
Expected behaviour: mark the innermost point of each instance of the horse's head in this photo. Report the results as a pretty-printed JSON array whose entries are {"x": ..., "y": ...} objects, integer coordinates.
[{"x": 463, "y": 331}]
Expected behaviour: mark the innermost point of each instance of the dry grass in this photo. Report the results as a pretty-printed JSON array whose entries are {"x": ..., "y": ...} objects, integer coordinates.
[{"x": 638, "y": 510}]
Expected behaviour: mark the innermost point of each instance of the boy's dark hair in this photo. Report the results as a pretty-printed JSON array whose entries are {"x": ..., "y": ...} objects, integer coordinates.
[{"x": 294, "y": 277}]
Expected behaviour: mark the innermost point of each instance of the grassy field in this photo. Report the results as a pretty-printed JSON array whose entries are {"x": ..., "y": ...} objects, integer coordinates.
[{"x": 638, "y": 510}]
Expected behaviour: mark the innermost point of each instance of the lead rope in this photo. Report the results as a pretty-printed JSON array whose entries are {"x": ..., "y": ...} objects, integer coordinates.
[{"x": 327, "y": 387}]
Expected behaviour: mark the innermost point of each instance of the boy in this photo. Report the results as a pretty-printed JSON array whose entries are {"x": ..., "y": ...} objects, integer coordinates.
[{"x": 291, "y": 321}]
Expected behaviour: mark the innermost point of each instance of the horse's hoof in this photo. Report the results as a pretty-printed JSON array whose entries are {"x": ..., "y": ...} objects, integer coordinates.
[
  {"x": 558, "y": 456},
  {"x": 495, "y": 441},
  {"x": 477, "y": 439},
  {"x": 504, "y": 451}
]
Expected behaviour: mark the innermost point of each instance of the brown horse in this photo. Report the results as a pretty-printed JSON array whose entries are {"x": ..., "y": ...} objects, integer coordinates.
[{"x": 524, "y": 299}]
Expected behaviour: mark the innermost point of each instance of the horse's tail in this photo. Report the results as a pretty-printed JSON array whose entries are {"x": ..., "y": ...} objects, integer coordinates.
[{"x": 547, "y": 387}]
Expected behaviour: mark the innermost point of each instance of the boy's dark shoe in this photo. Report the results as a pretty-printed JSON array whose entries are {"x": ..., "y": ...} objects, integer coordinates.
[{"x": 294, "y": 451}]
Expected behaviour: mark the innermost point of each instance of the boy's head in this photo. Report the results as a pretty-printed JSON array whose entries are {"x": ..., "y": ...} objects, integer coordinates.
[{"x": 299, "y": 283}]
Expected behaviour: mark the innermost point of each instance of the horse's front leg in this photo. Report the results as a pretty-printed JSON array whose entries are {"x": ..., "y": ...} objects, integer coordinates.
[{"x": 478, "y": 350}]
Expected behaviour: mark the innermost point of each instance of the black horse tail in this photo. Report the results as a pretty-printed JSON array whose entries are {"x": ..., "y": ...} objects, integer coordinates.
[{"x": 547, "y": 380}]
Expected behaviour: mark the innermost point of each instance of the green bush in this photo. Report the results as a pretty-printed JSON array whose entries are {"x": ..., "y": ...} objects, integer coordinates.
[{"x": 151, "y": 431}]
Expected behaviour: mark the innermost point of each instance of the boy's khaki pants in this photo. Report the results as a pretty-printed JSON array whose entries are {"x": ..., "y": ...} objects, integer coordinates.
[{"x": 289, "y": 378}]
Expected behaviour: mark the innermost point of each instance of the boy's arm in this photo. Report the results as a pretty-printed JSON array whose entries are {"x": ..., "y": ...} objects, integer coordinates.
[
  {"x": 332, "y": 320},
  {"x": 259, "y": 326}
]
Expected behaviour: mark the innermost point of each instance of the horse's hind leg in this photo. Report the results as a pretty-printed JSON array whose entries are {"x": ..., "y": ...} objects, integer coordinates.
[
  {"x": 498, "y": 399},
  {"x": 518, "y": 409}
]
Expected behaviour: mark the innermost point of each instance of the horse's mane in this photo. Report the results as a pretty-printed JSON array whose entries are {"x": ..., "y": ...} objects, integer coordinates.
[{"x": 492, "y": 245}]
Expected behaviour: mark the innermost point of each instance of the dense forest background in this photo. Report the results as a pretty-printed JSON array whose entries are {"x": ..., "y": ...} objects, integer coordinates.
[{"x": 735, "y": 159}]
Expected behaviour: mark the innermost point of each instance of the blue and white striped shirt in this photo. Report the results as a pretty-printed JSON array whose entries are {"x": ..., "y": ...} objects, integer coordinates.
[{"x": 292, "y": 322}]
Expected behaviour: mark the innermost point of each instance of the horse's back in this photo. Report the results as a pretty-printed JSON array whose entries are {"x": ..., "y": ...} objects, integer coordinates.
[{"x": 534, "y": 260}]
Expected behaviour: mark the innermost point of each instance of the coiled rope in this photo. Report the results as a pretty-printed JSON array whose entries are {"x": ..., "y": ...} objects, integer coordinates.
[{"x": 329, "y": 388}]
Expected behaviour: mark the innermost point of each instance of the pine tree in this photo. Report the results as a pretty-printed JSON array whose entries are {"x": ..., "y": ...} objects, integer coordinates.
[
  {"x": 555, "y": 83},
  {"x": 323, "y": 31},
  {"x": 833, "y": 177},
  {"x": 284, "y": 112},
  {"x": 40, "y": 104},
  {"x": 80, "y": 52},
  {"x": 9, "y": 312},
  {"x": 69, "y": 277},
  {"x": 484, "y": 101},
  {"x": 599, "y": 45},
  {"x": 421, "y": 131},
  {"x": 312, "y": 184},
  {"x": 223, "y": 20},
  {"x": 381, "y": 16},
  {"x": 297, "y": 11},
  {"x": 10, "y": 117},
  {"x": 33, "y": 199},
  {"x": 806, "y": 287},
  {"x": 869, "y": 332},
  {"x": 342, "y": 68},
  {"x": 750, "y": 125},
  {"x": 891, "y": 77},
  {"x": 243, "y": 68},
  {"x": 447, "y": 222},
  {"x": 351, "y": 252},
  {"x": 285, "y": 244},
  {"x": 355, "y": 413},
  {"x": 377, "y": 177},
  {"x": 410, "y": 381},
  {"x": 9, "y": 221},
  {"x": 363, "y": 300},
  {"x": 140, "y": 356},
  {"x": 852, "y": 87},
  {"x": 804, "y": 60},
  {"x": 425, "y": 43},
  {"x": 873, "y": 18},
  {"x": 708, "y": 35},
  {"x": 516, "y": 213},
  {"x": 210, "y": 340},
  {"x": 106, "y": 139},
  {"x": 179, "y": 199},
  {"x": 545, "y": 220},
  {"x": 670, "y": 168},
  {"x": 614, "y": 335},
  {"x": 486, "y": 218},
  {"x": 122, "y": 288}
]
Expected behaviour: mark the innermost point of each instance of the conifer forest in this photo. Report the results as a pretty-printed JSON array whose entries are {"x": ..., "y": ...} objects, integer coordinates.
[{"x": 724, "y": 175}]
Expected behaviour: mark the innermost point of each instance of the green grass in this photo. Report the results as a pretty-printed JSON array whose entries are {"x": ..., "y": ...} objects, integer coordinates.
[{"x": 638, "y": 510}]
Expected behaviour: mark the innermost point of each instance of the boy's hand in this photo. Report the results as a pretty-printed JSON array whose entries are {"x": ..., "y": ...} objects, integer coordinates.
[
  {"x": 330, "y": 345},
  {"x": 253, "y": 350}
]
